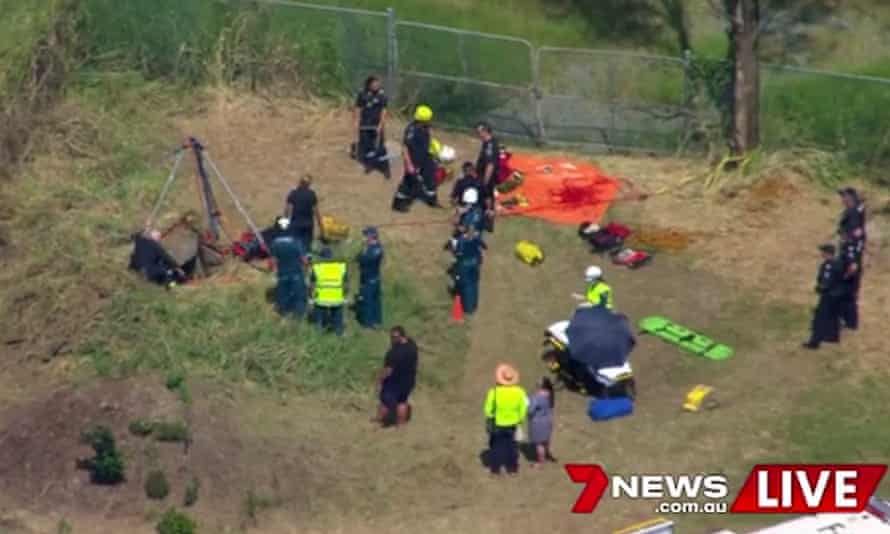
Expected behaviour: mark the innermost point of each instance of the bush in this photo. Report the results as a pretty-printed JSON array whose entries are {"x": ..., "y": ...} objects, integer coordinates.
[
  {"x": 175, "y": 432},
  {"x": 107, "y": 466},
  {"x": 175, "y": 379},
  {"x": 141, "y": 427},
  {"x": 156, "y": 485},
  {"x": 175, "y": 522},
  {"x": 191, "y": 492}
]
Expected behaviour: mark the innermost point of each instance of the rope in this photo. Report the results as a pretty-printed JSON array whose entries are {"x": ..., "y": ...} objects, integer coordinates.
[
  {"x": 237, "y": 202},
  {"x": 164, "y": 190}
]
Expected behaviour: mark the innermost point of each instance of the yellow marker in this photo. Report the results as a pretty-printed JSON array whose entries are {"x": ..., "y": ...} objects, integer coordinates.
[{"x": 696, "y": 396}]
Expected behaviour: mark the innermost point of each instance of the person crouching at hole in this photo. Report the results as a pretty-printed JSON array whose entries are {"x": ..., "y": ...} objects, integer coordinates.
[
  {"x": 155, "y": 264},
  {"x": 467, "y": 249},
  {"x": 506, "y": 406},
  {"x": 290, "y": 260}
]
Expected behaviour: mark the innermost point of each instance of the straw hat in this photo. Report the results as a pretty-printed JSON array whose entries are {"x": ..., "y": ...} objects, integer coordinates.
[{"x": 506, "y": 375}]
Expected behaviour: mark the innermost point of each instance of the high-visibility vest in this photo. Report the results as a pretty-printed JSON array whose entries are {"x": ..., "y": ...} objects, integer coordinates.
[
  {"x": 599, "y": 293},
  {"x": 330, "y": 278},
  {"x": 507, "y": 405}
]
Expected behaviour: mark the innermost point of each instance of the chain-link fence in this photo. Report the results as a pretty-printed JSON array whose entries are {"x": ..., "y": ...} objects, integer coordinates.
[{"x": 604, "y": 99}]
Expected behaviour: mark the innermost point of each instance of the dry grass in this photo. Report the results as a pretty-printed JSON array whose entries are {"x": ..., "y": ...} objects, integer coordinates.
[{"x": 724, "y": 284}]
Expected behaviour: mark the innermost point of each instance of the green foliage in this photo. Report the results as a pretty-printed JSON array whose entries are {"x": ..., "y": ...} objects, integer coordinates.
[
  {"x": 191, "y": 492},
  {"x": 156, "y": 485},
  {"x": 175, "y": 522},
  {"x": 171, "y": 432},
  {"x": 64, "y": 527},
  {"x": 175, "y": 380},
  {"x": 254, "y": 503},
  {"x": 107, "y": 466},
  {"x": 141, "y": 427}
]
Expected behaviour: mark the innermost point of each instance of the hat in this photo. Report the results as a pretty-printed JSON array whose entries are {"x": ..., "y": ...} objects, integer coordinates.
[
  {"x": 506, "y": 375},
  {"x": 828, "y": 248},
  {"x": 370, "y": 231}
]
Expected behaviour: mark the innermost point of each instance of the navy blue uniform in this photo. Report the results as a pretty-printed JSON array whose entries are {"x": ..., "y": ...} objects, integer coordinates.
[
  {"x": 369, "y": 308},
  {"x": 371, "y": 149},
  {"x": 851, "y": 259},
  {"x": 826, "y": 319},
  {"x": 489, "y": 154},
  {"x": 290, "y": 292},
  {"x": 473, "y": 218},
  {"x": 468, "y": 255},
  {"x": 422, "y": 184}
]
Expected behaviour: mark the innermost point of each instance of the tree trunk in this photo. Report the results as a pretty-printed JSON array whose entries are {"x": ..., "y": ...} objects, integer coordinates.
[{"x": 744, "y": 16}]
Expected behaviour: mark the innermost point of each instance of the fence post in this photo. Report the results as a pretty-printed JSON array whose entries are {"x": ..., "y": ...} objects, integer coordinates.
[
  {"x": 536, "y": 95},
  {"x": 392, "y": 55}
]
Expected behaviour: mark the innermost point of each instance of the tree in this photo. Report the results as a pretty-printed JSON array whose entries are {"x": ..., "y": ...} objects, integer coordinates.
[{"x": 744, "y": 33}]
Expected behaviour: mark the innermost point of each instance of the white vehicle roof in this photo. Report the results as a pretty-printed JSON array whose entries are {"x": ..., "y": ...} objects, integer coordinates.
[{"x": 862, "y": 523}]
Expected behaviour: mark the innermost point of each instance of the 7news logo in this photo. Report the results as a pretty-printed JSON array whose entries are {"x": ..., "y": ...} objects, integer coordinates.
[{"x": 775, "y": 488}]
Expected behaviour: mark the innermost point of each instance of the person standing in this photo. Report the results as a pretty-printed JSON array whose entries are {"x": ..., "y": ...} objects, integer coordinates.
[
  {"x": 396, "y": 380},
  {"x": 290, "y": 257},
  {"x": 369, "y": 116},
  {"x": 419, "y": 179},
  {"x": 467, "y": 249},
  {"x": 540, "y": 420},
  {"x": 369, "y": 308},
  {"x": 487, "y": 170},
  {"x": 852, "y": 220},
  {"x": 470, "y": 214},
  {"x": 826, "y": 322},
  {"x": 506, "y": 406},
  {"x": 329, "y": 279},
  {"x": 302, "y": 210},
  {"x": 851, "y": 260}
]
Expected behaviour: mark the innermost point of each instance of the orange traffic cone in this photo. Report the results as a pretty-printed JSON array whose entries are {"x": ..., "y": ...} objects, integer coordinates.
[{"x": 457, "y": 310}]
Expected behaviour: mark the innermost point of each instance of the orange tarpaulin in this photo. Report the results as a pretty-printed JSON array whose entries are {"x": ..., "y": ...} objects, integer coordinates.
[{"x": 560, "y": 190}]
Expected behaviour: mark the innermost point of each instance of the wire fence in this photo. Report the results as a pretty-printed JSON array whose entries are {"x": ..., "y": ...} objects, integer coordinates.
[{"x": 602, "y": 99}]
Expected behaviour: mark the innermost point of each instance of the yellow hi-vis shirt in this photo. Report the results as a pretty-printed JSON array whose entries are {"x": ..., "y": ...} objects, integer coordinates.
[
  {"x": 508, "y": 405},
  {"x": 600, "y": 293},
  {"x": 330, "y": 281}
]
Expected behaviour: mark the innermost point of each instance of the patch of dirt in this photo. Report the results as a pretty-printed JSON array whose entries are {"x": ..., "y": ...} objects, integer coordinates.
[
  {"x": 663, "y": 239},
  {"x": 40, "y": 444}
]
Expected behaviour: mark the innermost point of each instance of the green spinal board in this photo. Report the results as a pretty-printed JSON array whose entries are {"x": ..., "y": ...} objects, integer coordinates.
[{"x": 685, "y": 338}]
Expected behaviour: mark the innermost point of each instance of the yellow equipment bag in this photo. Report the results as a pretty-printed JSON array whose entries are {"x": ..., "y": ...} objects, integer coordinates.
[
  {"x": 333, "y": 230},
  {"x": 529, "y": 252},
  {"x": 696, "y": 397}
]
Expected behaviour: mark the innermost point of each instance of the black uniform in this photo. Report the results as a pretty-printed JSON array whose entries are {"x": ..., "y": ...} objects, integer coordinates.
[
  {"x": 826, "y": 320},
  {"x": 851, "y": 220},
  {"x": 489, "y": 154},
  {"x": 851, "y": 255},
  {"x": 150, "y": 259},
  {"x": 371, "y": 149},
  {"x": 422, "y": 184}
]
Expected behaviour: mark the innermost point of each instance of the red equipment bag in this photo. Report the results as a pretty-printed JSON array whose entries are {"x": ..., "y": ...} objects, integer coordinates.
[
  {"x": 617, "y": 230},
  {"x": 441, "y": 175},
  {"x": 631, "y": 259}
]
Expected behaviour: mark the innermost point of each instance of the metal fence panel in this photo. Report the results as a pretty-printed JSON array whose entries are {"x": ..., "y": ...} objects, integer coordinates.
[
  {"x": 829, "y": 111},
  {"x": 611, "y": 99},
  {"x": 468, "y": 76},
  {"x": 344, "y": 45}
]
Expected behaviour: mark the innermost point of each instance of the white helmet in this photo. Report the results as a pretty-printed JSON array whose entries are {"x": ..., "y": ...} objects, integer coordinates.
[
  {"x": 470, "y": 196},
  {"x": 283, "y": 223},
  {"x": 593, "y": 273},
  {"x": 447, "y": 154}
]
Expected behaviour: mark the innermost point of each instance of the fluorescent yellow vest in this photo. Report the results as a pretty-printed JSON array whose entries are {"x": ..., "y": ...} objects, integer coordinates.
[
  {"x": 508, "y": 405},
  {"x": 599, "y": 292},
  {"x": 329, "y": 283}
]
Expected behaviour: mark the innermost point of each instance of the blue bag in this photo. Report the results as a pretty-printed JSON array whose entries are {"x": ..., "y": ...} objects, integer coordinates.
[{"x": 604, "y": 409}]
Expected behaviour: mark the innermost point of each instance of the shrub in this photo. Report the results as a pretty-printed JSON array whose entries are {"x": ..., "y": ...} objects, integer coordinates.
[
  {"x": 141, "y": 427},
  {"x": 176, "y": 431},
  {"x": 175, "y": 380},
  {"x": 174, "y": 522},
  {"x": 107, "y": 466},
  {"x": 191, "y": 492},
  {"x": 156, "y": 485}
]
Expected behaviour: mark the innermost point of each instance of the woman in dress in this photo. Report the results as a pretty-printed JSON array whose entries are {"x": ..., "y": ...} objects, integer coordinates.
[{"x": 540, "y": 420}]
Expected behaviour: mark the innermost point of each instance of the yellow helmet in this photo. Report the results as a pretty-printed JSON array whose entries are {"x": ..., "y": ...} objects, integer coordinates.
[
  {"x": 435, "y": 147},
  {"x": 423, "y": 113}
]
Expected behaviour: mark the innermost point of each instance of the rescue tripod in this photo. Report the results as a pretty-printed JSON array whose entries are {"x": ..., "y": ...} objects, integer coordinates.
[{"x": 208, "y": 201}]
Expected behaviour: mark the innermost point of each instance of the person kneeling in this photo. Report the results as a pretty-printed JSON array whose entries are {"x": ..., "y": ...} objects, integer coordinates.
[{"x": 155, "y": 264}]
